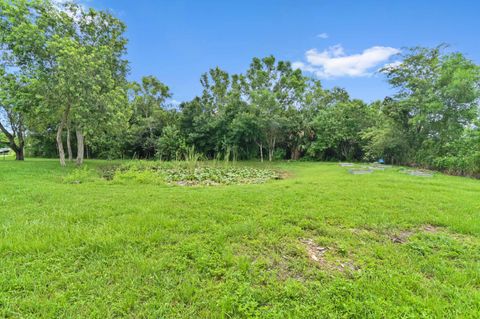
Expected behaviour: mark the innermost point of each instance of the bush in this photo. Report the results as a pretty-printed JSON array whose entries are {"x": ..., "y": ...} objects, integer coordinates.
[
  {"x": 171, "y": 145},
  {"x": 459, "y": 165}
]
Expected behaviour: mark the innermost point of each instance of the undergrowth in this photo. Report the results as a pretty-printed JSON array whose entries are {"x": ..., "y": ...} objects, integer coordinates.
[{"x": 186, "y": 174}]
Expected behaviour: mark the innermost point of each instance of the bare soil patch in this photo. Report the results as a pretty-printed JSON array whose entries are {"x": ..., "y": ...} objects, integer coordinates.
[{"x": 317, "y": 253}]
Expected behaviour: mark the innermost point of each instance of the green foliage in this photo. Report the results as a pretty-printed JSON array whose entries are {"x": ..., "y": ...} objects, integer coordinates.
[
  {"x": 339, "y": 130},
  {"x": 186, "y": 174},
  {"x": 72, "y": 61},
  {"x": 171, "y": 145},
  {"x": 149, "y": 117},
  {"x": 435, "y": 107},
  {"x": 219, "y": 175},
  {"x": 463, "y": 156},
  {"x": 51, "y": 50},
  {"x": 3, "y": 141}
]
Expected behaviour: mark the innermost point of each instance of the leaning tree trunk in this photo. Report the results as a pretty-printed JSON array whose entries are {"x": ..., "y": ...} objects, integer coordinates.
[
  {"x": 80, "y": 146},
  {"x": 17, "y": 148},
  {"x": 69, "y": 145}
]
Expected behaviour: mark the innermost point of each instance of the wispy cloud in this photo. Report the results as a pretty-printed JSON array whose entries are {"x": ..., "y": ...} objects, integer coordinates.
[
  {"x": 334, "y": 62},
  {"x": 322, "y": 35}
]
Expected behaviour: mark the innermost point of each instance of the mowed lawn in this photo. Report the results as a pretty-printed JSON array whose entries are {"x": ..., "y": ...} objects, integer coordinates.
[{"x": 321, "y": 243}]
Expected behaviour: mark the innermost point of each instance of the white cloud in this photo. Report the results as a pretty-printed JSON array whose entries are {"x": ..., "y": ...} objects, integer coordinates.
[
  {"x": 334, "y": 62},
  {"x": 322, "y": 35}
]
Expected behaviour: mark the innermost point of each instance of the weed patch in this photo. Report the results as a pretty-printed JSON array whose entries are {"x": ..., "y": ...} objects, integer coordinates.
[{"x": 183, "y": 174}]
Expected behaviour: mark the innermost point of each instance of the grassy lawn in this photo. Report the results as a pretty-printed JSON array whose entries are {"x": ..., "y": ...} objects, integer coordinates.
[{"x": 321, "y": 243}]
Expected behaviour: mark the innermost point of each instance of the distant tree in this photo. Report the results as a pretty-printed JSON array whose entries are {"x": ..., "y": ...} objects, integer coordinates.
[
  {"x": 149, "y": 115},
  {"x": 75, "y": 57},
  {"x": 386, "y": 138},
  {"x": 171, "y": 144},
  {"x": 273, "y": 89},
  {"x": 338, "y": 130},
  {"x": 21, "y": 42},
  {"x": 13, "y": 107},
  {"x": 437, "y": 99},
  {"x": 94, "y": 45}
]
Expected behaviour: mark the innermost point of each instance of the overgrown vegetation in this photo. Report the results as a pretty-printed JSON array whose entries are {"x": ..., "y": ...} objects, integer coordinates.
[
  {"x": 320, "y": 244},
  {"x": 187, "y": 173},
  {"x": 270, "y": 111}
]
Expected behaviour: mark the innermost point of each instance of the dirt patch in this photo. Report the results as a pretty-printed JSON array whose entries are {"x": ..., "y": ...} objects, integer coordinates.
[
  {"x": 401, "y": 237},
  {"x": 316, "y": 254},
  {"x": 430, "y": 228},
  {"x": 283, "y": 175}
]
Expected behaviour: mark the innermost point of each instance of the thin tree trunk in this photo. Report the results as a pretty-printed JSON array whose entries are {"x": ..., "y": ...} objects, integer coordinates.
[
  {"x": 261, "y": 151},
  {"x": 69, "y": 145},
  {"x": 271, "y": 149},
  {"x": 80, "y": 146},
  {"x": 61, "y": 151}
]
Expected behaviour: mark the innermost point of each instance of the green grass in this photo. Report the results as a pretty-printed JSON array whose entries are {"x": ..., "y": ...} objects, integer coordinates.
[{"x": 102, "y": 249}]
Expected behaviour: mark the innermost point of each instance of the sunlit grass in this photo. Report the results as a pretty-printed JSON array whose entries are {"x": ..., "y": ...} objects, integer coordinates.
[{"x": 147, "y": 250}]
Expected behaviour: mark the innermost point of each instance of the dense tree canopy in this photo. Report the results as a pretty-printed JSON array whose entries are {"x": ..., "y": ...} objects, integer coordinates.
[{"x": 63, "y": 72}]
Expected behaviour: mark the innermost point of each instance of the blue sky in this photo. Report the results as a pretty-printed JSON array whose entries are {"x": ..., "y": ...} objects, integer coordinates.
[{"x": 341, "y": 42}]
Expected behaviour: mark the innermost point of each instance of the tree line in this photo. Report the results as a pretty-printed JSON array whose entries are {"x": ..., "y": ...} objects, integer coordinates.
[{"x": 63, "y": 82}]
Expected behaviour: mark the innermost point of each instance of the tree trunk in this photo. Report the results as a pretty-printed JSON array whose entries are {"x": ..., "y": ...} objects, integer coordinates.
[
  {"x": 19, "y": 152},
  {"x": 271, "y": 149},
  {"x": 295, "y": 155},
  {"x": 69, "y": 145},
  {"x": 80, "y": 146},
  {"x": 19, "y": 156},
  {"x": 17, "y": 148},
  {"x": 61, "y": 152},
  {"x": 261, "y": 151}
]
